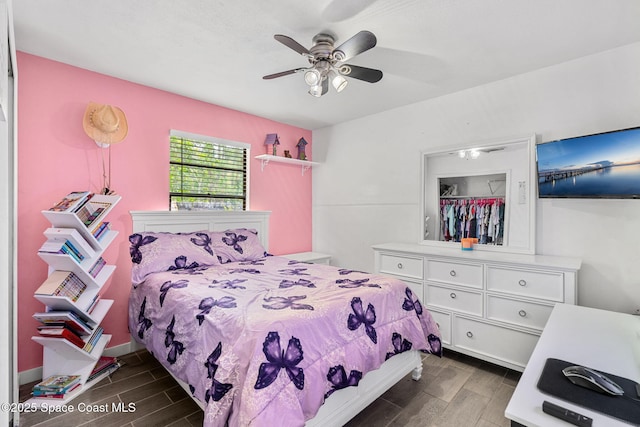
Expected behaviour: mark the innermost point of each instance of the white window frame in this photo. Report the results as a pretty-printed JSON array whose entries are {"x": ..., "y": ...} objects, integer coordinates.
[{"x": 221, "y": 141}]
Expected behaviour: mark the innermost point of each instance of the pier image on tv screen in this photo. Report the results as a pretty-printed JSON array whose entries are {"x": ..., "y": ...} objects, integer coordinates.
[{"x": 604, "y": 165}]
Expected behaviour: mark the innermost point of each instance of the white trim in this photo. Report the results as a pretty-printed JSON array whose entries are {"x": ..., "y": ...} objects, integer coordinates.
[
  {"x": 211, "y": 139},
  {"x": 221, "y": 141},
  {"x": 8, "y": 225},
  {"x": 530, "y": 140}
]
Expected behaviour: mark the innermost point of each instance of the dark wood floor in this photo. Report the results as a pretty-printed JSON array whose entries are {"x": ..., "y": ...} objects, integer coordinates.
[{"x": 455, "y": 390}]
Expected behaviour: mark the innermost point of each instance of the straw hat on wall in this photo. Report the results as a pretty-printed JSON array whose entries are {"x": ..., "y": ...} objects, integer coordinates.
[{"x": 105, "y": 124}]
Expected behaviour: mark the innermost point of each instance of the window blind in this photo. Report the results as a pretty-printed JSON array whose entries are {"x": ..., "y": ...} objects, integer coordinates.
[{"x": 207, "y": 175}]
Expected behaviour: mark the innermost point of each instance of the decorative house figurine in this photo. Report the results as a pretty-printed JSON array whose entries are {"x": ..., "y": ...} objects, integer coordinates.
[
  {"x": 272, "y": 139},
  {"x": 287, "y": 154},
  {"x": 301, "y": 144}
]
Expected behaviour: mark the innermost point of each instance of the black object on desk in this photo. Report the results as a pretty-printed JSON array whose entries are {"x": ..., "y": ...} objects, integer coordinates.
[
  {"x": 553, "y": 382},
  {"x": 566, "y": 414}
]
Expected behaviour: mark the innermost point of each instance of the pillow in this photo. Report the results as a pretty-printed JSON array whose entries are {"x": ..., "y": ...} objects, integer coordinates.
[
  {"x": 156, "y": 252},
  {"x": 238, "y": 244}
]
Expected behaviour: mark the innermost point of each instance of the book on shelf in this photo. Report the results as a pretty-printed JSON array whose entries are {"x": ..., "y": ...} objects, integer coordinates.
[
  {"x": 93, "y": 339},
  {"x": 72, "y": 238},
  {"x": 56, "y": 386},
  {"x": 91, "y": 212},
  {"x": 100, "y": 230},
  {"x": 96, "y": 267},
  {"x": 62, "y": 332},
  {"x": 93, "y": 303},
  {"x": 104, "y": 365},
  {"x": 72, "y": 201},
  {"x": 68, "y": 325},
  {"x": 64, "y": 284},
  {"x": 53, "y": 394},
  {"x": 66, "y": 317},
  {"x": 66, "y": 247}
]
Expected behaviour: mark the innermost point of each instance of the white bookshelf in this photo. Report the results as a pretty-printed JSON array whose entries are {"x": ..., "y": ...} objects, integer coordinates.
[{"x": 60, "y": 356}]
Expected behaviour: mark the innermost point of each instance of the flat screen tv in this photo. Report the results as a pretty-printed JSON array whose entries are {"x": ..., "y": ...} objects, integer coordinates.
[{"x": 603, "y": 165}]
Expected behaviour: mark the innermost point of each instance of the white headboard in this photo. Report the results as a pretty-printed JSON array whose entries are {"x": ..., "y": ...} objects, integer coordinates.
[{"x": 188, "y": 221}]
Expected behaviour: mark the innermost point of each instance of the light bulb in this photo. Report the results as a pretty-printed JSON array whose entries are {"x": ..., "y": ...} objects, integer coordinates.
[
  {"x": 312, "y": 77},
  {"x": 316, "y": 90}
]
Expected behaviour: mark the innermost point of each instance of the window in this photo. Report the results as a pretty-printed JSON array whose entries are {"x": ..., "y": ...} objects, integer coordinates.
[{"x": 207, "y": 173}]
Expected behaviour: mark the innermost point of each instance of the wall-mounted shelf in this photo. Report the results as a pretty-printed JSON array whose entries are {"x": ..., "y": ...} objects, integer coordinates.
[{"x": 266, "y": 158}]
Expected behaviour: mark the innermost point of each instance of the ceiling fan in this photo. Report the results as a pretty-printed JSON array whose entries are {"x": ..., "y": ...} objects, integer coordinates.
[{"x": 327, "y": 61}]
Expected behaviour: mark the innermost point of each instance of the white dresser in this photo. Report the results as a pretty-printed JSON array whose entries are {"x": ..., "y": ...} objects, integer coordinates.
[{"x": 490, "y": 305}]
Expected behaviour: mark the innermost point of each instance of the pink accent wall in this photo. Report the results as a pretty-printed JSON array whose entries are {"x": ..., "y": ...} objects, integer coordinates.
[{"x": 56, "y": 157}]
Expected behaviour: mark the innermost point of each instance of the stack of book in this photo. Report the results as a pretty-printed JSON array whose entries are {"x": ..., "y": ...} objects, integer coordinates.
[
  {"x": 71, "y": 237},
  {"x": 100, "y": 230},
  {"x": 64, "y": 284},
  {"x": 67, "y": 319},
  {"x": 63, "y": 331},
  {"x": 105, "y": 366},
  {"x": 56, "y": 386},
  {"x": 93, "y": 339},
  {"x": 96, "y": 267},
  {"x": 84, "y": 205},
  {"x": 66, "y": 247},
  {"x": 72, "y": 202}
]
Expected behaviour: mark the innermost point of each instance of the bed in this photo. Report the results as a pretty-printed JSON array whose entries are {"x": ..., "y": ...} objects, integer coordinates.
[{"x": 265, "y": 340}]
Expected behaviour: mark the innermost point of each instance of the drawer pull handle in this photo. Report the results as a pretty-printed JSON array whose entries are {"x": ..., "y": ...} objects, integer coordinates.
[
  {"x": 452, "y": 273},
  {"x": 522, "y": 282},
  {"x": 453, "y": 295},
  {"x": 470, "y": 334},
  {"x": 522, "y": 313},
  {"x": 399, "y": 266}
]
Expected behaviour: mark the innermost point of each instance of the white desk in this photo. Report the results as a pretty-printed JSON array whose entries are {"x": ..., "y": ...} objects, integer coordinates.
[{"x": 603, "y": 340}]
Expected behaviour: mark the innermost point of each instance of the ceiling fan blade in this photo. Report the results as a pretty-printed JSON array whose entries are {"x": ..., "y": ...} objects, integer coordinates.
[
  {"x": 292, "y": 44},
  {"x": 357, "y": 44},
  {"x": 282, "y": 73},
  {"x": 361, "y": 73}
]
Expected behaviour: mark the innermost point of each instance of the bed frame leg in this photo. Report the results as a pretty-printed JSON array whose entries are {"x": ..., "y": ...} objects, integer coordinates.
[{"x": 416, "y": 374}]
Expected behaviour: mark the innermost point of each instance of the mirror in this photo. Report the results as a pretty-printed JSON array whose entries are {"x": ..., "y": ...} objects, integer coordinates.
[{"x": 484, "y": 191}]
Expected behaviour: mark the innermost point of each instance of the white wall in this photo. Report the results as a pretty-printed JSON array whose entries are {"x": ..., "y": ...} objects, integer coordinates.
[{"x": 367, "y": 190}]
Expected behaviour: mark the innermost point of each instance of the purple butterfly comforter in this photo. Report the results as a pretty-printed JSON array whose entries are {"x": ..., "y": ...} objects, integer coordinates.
[{"x": 265, "y": 342}]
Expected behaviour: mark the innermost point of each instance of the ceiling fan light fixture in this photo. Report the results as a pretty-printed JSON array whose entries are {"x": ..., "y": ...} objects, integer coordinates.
[
  {"x": 316, "y": 90},
  {"x": 337, "y": 81},
  {"x": 312, "y": 77},
  {"x": 326, "y": 61}
]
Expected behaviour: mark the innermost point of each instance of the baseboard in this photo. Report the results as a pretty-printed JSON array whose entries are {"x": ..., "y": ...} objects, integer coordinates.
[{"x": 35, "y": 374}]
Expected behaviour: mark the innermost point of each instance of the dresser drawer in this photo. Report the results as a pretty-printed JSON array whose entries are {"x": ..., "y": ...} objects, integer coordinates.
[
  {"x": 401, "y": 265},
  {"x": 444, "y": 324},
  {"x": 454, "y": 299},
  {"x": 456, "y": 273},
  {"x": 530, "y": 283},
  {"x": 514, "y": 347},
  {"x": 528, "y": 314}
]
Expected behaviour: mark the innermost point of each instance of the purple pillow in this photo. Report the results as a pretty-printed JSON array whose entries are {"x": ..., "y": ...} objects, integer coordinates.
[
  {"x": 156, "y": 252},
  {"x": 238, "y": 244}
]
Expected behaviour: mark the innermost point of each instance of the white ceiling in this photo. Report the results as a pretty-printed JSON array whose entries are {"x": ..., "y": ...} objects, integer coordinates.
[{"x": 218, "y": 50}]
